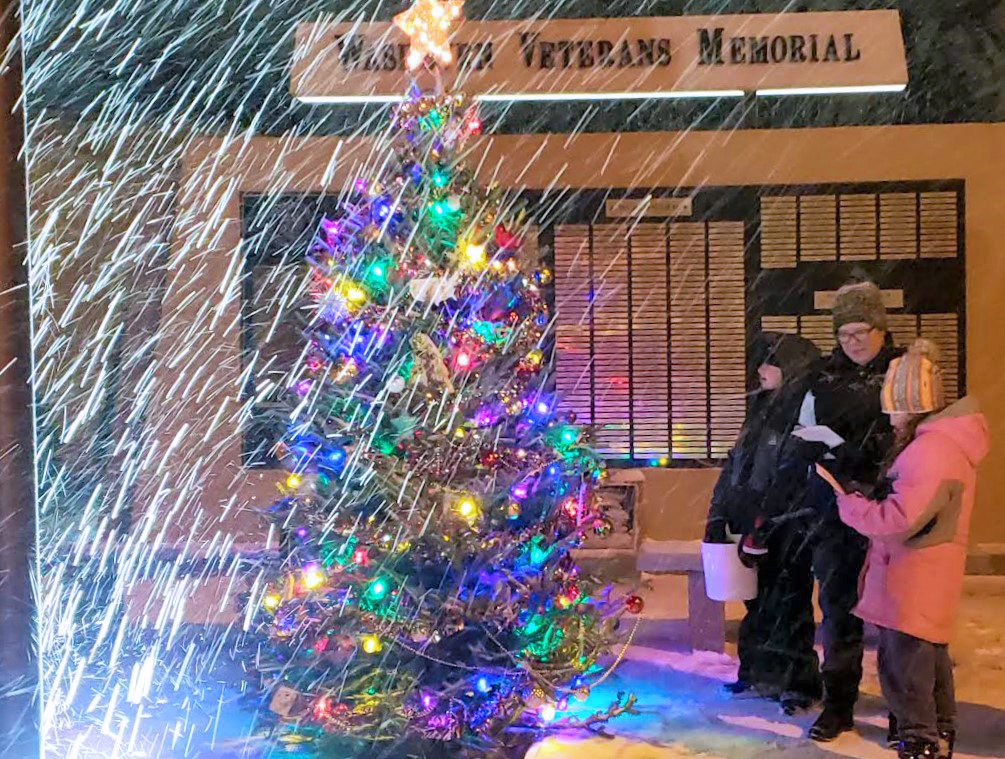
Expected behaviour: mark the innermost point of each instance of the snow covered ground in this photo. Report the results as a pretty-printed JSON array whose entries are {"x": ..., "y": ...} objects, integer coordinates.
[{"x": 684, "y": 713}]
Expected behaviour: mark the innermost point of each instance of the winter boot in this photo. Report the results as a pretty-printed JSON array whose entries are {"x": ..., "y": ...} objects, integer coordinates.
[
  {"x": 793, "y": 702},
  {"x": 735, "y": 689},
  {"x": 892, "y": 737},
  {"x": 947, "y": 737},
  {"x": 917, "y": 748},
  {"x": 831, "y": 723}
]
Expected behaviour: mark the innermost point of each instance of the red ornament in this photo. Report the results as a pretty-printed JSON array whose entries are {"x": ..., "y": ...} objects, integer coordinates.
[
  {"x": 634, "y": 604},
  {"x": 472, "y": 123},
  {"x": 322, "y": 708},
  {"x": 506, "y": 240}
]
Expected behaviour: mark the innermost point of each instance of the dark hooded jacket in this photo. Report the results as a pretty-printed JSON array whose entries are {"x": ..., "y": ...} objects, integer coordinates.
[
  {"x": 847, "y": 399},
  {"x": 765, "y": 474}
]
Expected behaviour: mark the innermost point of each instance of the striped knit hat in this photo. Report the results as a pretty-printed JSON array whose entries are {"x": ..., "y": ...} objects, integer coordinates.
[{"x": 913, "y": 382}]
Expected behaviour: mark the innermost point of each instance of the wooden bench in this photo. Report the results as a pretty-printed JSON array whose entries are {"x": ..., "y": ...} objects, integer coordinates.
[{"x": 706, "y": 618}]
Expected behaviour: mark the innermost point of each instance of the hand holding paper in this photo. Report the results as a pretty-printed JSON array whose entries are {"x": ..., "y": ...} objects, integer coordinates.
[{"x": 830, "y": 480}]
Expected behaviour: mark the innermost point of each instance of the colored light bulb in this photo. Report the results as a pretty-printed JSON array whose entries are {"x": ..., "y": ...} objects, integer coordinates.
[
  {"x": 354, "y": 294},
  {"x": 360, "y": 557},
  {"x": 482, "y": 685},
  {"x": 475, "y": 253},
  {"x": 371, "y": 644},
  {"x": 548, "y": 712},
  {"x": 378, "y": 589},
  {"x": 313, "y": 577},
  {"x": 571, "y": 507},
  {"x": 467, "y": 507},
  {"x": 463, "y": 359},
  {"x": 271, "y": 601},
  {"x": 293, "y": 481}
]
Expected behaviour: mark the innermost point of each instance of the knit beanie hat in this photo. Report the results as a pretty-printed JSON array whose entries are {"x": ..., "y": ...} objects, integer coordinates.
[
  {"x": 913, "y": 382},
  {"x": 859, "y": 302}
]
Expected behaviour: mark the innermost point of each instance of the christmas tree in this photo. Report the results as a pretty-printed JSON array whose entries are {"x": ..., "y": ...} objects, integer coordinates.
[{"x": 433, "y": 493}]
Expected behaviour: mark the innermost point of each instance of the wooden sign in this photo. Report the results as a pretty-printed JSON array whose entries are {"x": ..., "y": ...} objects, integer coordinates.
[
  {"x": 823, "y": 300},
  {"x": 614, "y": 58},
  {"x": 648, "y": 206}
]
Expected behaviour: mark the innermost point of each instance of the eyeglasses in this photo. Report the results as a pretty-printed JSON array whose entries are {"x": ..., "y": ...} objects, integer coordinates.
[{"x": 858, "y": 336}]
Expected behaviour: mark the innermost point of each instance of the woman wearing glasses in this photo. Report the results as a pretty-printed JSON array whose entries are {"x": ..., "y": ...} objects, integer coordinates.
[{"x": 845, "y": 397}]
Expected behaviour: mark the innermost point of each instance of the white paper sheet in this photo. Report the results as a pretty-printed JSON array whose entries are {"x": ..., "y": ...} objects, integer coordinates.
[{"x": 819, "y": 434}]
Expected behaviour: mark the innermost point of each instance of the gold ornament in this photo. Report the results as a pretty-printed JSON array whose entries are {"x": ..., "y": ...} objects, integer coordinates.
[
  {"x": 428, "y": 368},
  {"x": 428, "y": 24},
  {"x": 536, "y": 698}
]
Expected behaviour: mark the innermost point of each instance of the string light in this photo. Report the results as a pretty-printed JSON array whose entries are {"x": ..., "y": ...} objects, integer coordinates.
[
  {"x": 313, "y": 577},
  {"x": 371, "y": 644},
  {"x": 467, "y": 507},
  {"x": 378, "y": 589},
  {"x": 571, "y": 507},
  {"x": 271, "y": 601},
  {"x": 475, "y": 253}
]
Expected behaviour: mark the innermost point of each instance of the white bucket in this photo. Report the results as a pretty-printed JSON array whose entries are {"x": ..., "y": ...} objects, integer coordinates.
[{"x": 726, "y": 577}]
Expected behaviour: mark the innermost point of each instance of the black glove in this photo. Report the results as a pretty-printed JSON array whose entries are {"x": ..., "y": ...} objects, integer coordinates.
[
  {"x": 751, "y": 552},
  {"x": 810, "y": 451},
  {"x": 715, "y": 531}
]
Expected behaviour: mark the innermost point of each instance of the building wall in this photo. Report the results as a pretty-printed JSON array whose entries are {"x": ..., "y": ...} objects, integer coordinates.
[{"x": 206, "y": 251}]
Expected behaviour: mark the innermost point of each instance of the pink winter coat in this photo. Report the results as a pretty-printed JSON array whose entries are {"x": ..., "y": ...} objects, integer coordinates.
[{"x": 913, "y": 575}]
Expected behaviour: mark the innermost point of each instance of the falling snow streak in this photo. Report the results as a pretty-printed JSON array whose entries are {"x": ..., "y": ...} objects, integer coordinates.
[{"x": 147, "y": 518}]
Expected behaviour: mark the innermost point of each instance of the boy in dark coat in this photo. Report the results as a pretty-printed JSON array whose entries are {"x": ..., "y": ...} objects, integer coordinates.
[{"x": 762, "y": 483}]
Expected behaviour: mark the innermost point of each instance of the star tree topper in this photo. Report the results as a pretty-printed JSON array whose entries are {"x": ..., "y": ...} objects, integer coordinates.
[{"x": 428, "y": 24}]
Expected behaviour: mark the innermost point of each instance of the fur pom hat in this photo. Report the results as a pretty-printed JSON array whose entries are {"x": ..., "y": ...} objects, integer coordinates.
[
  {"x": 859, "y": 302},
  {"x": 913, "y": 382}
]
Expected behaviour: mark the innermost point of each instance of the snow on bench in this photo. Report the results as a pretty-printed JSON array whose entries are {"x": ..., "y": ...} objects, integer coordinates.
[{"x": 706, "y": 618}]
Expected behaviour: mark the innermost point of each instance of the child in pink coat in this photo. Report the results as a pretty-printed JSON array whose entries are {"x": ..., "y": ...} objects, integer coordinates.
[{"x": 917, "y": 522}]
